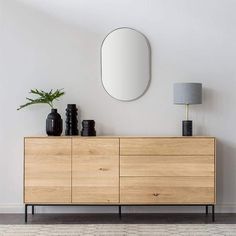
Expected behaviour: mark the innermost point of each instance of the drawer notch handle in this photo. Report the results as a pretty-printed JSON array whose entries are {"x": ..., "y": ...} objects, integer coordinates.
[
  {"x": 155, "y": 194},
  {"x": 103, "y": 169}
]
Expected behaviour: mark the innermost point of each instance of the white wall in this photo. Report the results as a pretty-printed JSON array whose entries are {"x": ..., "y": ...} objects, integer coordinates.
[{"x": 55, "y": 44}]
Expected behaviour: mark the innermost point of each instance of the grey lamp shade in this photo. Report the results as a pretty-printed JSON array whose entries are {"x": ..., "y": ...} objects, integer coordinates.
[{"x": 187, "y": 93}]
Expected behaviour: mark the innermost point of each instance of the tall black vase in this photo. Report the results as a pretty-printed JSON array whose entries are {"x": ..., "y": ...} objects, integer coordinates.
[
  {"x": 71, "y": 120},
  {"x": 54, "y": 123}
]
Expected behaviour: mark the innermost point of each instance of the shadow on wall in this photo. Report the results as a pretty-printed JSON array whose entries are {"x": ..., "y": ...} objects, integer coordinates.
[
  {"x": 211, "y": 110},
  {"x": 207, "y": 106},
  {"x": 215, "y": 105},
  {"x": 225, "y": 169}
]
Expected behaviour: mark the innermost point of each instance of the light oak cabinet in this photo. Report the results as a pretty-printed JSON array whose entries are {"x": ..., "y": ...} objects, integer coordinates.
[{"x": 120, "y": 170}]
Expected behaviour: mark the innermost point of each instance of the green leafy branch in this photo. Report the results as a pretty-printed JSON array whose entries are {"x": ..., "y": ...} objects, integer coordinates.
[{"x": 43, "y": 97}]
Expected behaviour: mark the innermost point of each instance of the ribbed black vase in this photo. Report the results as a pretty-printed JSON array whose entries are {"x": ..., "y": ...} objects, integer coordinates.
[
  {"x": 71, "y": 120},
  {"x": 54, "y": 123},
  {"x": 88, "y": 128}
]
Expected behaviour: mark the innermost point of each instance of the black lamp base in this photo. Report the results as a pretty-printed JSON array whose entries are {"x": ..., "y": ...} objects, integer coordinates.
[{"x": 187, "y": 128}]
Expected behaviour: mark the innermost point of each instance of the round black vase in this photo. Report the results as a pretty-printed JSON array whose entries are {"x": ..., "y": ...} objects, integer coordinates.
[
  {"x": 187, "y": 128},
  {"x": 54, "y": 123},
  {"x": 88, "y": 128},
  {"x": 71, "y": 120}
]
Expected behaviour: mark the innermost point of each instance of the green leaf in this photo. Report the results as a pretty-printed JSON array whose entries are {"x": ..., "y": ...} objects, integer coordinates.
[{"x": 43, "y": 97}]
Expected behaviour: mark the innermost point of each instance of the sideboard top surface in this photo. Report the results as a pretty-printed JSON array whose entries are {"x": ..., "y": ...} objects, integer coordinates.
[{"x": 116, "y": 136}]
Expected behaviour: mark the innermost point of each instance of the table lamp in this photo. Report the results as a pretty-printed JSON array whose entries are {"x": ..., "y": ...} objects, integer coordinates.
[{"x": 187, "y": 94}]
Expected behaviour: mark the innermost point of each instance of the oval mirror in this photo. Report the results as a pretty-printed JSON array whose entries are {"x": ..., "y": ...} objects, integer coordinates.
[{"x": 125, "y": 64}]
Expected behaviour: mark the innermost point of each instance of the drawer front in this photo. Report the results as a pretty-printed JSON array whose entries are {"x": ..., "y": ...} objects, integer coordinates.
[
  {"x": 167, "y": 146},
  {"x": 95, "y": 146},
  {"x": 47, "y": 170},
  {"x": 95, "y": 170},
  {"x": 167, "y": 165},
  {"x": 167, "y": 190}
]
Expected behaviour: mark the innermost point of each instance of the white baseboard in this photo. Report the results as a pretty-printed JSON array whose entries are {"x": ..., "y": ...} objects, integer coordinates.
[{"x": 19, "y": 208}]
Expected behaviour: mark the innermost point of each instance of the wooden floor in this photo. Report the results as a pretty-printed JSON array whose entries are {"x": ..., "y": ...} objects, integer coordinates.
[{"x": 114, "y": 219}]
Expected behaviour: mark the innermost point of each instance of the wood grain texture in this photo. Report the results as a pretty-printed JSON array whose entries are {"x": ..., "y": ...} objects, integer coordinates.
[
  {"x": 84, "y": 170},
  {"x": 95, "y": 170},
  {"x": 167, "y": 166},
  {"x": 167, "y": 146},
  {"x": 47, "y": 174},
  {"x": 167, "y": 190},
  {"x": 215, "y": 169}
]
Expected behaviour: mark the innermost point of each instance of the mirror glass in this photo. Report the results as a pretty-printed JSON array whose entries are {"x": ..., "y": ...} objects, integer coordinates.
[{"x": 125, "y": 64}]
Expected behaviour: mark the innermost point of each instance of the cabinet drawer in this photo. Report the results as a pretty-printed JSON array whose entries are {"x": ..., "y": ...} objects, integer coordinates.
[
  {"x": 167, "y": 165},
  {"x": 95, "y": 170},
  {"x": 167, "y": 190},
  {"x": 95, "y": 146},
  {"x": 167, "y": 146}
]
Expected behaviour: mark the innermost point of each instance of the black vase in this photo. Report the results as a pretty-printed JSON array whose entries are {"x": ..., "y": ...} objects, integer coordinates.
[
  {"x": 54, "y": 123},
  {"x": 71, "y": 120},
  {"x": 88, "y": 128}
]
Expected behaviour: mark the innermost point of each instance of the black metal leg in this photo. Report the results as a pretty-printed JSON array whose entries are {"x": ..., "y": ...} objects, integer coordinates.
[
  {"x": 213, "y": 213},
  {"x": 26, "y": 212},
  {"x": 33, "y": 211},
  {"x": 120, "y": 212}
]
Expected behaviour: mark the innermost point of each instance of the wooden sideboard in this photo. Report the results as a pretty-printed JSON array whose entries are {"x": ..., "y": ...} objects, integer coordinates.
[{"x": 119, "y": 171}]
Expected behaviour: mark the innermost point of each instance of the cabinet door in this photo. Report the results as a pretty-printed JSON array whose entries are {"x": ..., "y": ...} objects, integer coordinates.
[
  {"x": 47, "y": 170},
  {"x": 95, "y": 170}
]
